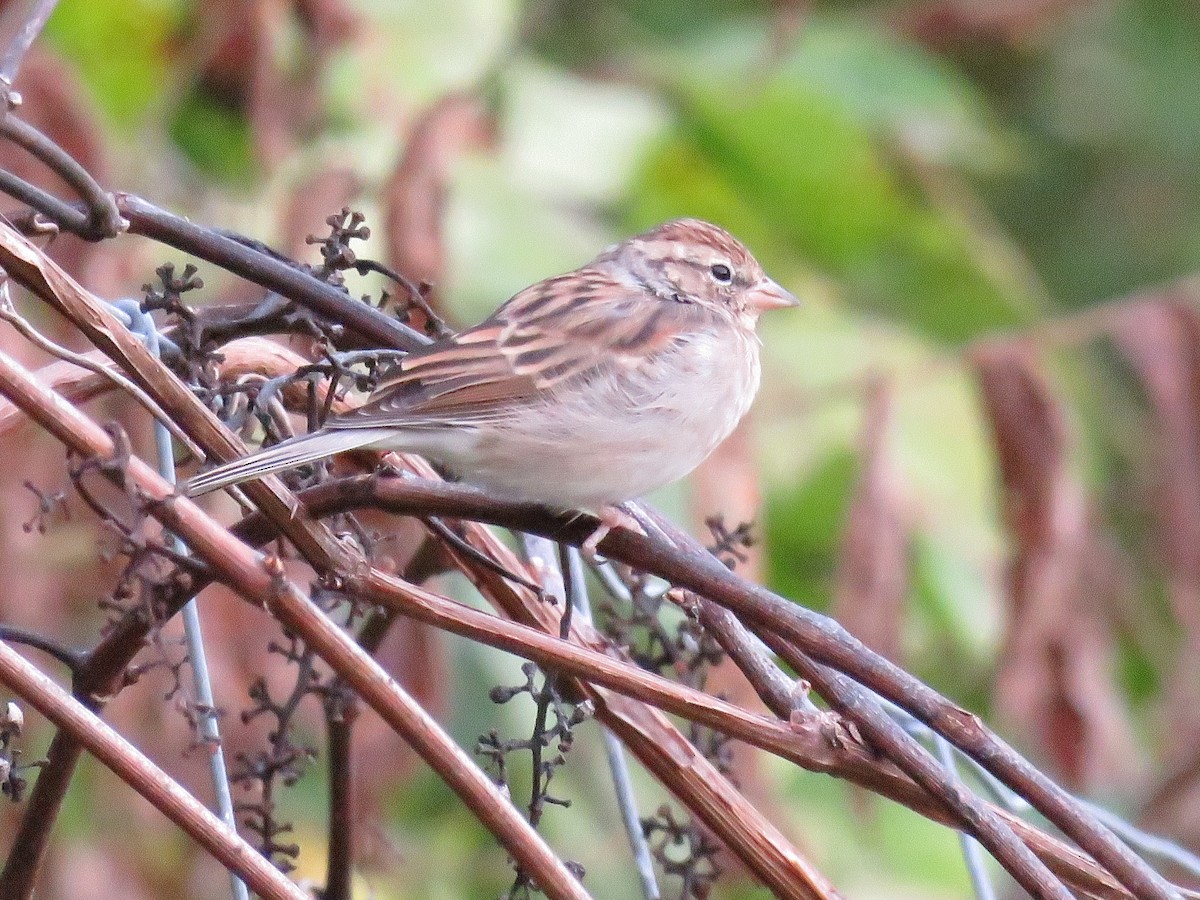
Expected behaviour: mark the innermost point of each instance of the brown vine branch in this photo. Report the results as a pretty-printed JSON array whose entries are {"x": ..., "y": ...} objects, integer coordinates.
[
  {"x": 318, "y": 501},
  {"x": 341, "y": 712},
  {"x": 826, "y": 745},
  {"x": 682, "y": 561},
  {"x": 374, "y": 328}
]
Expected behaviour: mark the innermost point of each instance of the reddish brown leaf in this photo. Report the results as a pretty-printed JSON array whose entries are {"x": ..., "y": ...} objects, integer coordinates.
[
  {"x": 1054, "y": 682},
  {"x": 947, "y": 23},
  {"x": 329, "y": 23},
  {"x": 414, "y": 196},
  {"x": 1161, "y": 339},
  {"x": 242, "y": 65},
  {"x": 872, "y": 569},
  {"x": 98, "y": 871}
]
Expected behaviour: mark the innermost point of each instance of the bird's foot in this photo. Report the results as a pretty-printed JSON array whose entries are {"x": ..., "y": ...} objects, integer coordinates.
[
  {"x": 391, "y": 464},
  {"x": 610, "y": 517}
]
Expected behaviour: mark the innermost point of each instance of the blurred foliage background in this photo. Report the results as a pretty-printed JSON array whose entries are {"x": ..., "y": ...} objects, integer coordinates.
[{"x": 978, "y": 444}]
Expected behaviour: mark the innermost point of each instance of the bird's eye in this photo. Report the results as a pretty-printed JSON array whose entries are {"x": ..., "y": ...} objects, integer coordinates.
[{"x": 722, "y": 273}]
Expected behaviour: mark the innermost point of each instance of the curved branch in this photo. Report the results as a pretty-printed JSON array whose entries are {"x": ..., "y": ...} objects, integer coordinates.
[
  {"x": 102, "y": 220},
  {"x": 241, "y": 256},
  {"x": 72, "y": 659}
]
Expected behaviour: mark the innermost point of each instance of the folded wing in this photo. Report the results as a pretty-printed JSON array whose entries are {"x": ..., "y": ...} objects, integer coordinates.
[{"x": 554, "y": 334}]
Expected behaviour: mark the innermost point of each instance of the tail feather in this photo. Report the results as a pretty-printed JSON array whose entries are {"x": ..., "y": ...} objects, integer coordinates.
[{"x": 286, "y": 455}]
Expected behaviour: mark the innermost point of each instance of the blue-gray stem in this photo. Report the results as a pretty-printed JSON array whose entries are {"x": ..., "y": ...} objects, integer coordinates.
[
  {"x": 1144, "y": 842},
  {"x": 972, "y": 853},
  {"x": 206, "y": 710}
]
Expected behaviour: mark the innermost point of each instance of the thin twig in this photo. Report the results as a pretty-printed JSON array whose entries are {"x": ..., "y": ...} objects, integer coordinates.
[
  {"x": 458, "y": 545},
  {"x": 206, "y": 708},
  {"x": 341, "y": 713},
  {"x": 339, "y": 866},
  {"x": 71, "y": 658},
  {"x": 657, "y": 742},
  {"x": 379, "y": 330},
  {"x": 971, "y": 851},
  {"x": 437, "y": 324}
]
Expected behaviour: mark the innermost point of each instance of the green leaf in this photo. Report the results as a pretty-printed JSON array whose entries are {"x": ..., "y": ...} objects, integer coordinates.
[
  {"x": 803, "y": 530},
  {"x": 899, "y": 91},
  {"x": 215, "y": 137},
  {"x": 122, "y": 50}
]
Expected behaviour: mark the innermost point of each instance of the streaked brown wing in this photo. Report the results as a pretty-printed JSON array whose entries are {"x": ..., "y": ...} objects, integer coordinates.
[{"x": 550, "y": 334}]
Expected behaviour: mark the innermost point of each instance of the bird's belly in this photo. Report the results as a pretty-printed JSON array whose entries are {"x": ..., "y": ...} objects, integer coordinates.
[
  {"x": 602, "y": 471},
  {"x": 615, "y": 441}
]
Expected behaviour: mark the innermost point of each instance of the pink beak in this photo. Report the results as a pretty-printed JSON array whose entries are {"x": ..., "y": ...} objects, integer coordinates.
[{"x": 768, "y": 295}]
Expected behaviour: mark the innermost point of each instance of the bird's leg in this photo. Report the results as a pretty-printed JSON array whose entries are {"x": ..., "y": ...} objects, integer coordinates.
[
  {"x": 391, "y": 464},
  {"x": 610, "y": 517}
]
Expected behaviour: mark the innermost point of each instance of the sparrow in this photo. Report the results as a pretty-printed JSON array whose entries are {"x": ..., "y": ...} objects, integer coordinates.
[{"x": 582, "y": 391}]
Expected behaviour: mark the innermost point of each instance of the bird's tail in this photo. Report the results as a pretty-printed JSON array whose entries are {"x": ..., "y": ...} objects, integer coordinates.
[{"x": 284, "y": 455}]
